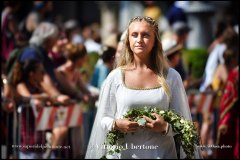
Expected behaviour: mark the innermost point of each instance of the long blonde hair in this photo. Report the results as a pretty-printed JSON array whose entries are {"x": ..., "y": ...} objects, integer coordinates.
[{"x": 160, "y": 65}]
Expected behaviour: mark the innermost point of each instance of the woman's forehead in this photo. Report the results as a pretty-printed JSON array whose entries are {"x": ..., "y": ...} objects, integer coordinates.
[{"x": 140, "y": 25}]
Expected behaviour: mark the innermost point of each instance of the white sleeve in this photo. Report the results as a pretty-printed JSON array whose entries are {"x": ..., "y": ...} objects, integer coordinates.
[
  {"x": 179, "y": 103},
  {"x": 107, "y": 102},
  {"x": 211, "y": 65},
  {"x": 178, "y": 99},
  {"x": 103, "y": 119}
]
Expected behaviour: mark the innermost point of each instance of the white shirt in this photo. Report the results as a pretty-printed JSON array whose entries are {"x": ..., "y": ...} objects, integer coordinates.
[{"x": 215, "y": 57}]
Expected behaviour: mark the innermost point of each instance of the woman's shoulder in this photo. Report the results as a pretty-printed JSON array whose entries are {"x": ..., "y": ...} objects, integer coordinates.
[
  {"x": 114, "y": 75},
  {"x": 113, "y": 79},
  {"x": 60, "y": 71},
  {"x": 173, "y": 77},
  {"x": 115, "y": 72}
]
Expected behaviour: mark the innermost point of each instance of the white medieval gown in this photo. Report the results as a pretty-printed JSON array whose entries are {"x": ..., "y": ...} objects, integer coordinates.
[{"x": 116, "y": 99}]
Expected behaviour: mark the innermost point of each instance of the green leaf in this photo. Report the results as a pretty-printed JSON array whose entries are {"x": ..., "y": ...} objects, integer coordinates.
[{"x": 187, "y": 134}]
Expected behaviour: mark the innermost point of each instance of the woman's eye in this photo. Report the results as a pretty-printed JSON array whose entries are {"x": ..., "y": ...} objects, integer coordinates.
[
  {"x": 146, "y": 35},
  {"x": 134, "y": 35}
]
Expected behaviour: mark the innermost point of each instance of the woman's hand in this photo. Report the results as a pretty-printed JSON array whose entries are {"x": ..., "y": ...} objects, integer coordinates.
[
  {"x": 8, "y": 105},
  {"x": 126, "y": 126},
  {"x": 157, "y": 125},
  {"x": 37, "y": 103},
  {"x": 86, "y": 98},
  {"x": 64, "y": 99}
]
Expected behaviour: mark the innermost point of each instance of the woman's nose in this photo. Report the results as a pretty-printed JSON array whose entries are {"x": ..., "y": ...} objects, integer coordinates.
[{"x": 139, "y": 38}]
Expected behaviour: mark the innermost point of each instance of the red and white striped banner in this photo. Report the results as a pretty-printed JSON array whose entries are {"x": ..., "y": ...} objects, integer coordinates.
[
  {"x": 51, "y": 117},
  {"x": 201, "y": 102}
]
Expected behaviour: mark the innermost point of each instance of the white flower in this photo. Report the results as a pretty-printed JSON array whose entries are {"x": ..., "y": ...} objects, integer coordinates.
[
  {"x": 161, "y": 112},
  {"x": 181, "y": 121}
]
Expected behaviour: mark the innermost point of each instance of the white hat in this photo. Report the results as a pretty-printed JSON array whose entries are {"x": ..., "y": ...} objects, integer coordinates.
[{"x": 170, "y": 46}]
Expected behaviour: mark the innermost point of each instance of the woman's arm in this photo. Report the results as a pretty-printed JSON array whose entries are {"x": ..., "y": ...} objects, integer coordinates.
[
  {"x": 66, "y": 87},
  {"x": 107, "y": 104},
  {"x": 82, "y": 86},
  {"x": 104, "y": 119},
  {"x": 23, "y": 91},
  {"x": 36, "y": 100},
  {"x": 51, "y": 90},
  {"x": 178, "y": 99}
]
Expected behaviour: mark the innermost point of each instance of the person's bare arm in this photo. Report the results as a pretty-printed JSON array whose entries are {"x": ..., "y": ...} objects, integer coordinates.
[
  {"x": 67, "y": 87},
  {"x": 36, "y": 100},
  {"x": 52, "y": 91},
  {"x": 23, "y": 91},
  {"x": 82, "y": 86},
  {"x": 8, "y": 103},
  {"x": 48, "y": 86}
]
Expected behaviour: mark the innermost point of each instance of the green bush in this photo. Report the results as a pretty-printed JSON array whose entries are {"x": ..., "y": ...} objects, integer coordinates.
[{"x": 195, "y": 61}]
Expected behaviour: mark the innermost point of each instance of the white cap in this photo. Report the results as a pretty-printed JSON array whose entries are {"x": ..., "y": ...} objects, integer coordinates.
[{"x": 170, "y": 46}]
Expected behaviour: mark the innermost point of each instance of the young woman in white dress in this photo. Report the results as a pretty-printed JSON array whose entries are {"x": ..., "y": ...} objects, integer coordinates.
[{"x": 142, "y": 78}]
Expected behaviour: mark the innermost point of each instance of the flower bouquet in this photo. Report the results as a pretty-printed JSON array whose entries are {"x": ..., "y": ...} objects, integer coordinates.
[{"x": 186, "y": 132}]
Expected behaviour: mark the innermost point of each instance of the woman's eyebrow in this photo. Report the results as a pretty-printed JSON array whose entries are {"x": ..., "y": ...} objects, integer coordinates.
[{"x": 142, "y": 32}]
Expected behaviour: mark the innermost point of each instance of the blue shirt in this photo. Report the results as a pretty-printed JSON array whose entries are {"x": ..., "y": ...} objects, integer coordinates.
[{"x": 100, "y": 74}]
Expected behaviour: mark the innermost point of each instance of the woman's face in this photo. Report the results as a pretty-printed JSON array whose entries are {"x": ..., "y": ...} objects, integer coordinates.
[
  {"x": 38, "y": 73},
  {"x": 141, "y": 37},
  {"x": 51, "y": 41},
  {"x": 79, "y": 63}
]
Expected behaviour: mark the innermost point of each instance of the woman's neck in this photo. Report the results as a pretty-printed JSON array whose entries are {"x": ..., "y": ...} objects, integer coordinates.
[{"x": 141, "y": 63}]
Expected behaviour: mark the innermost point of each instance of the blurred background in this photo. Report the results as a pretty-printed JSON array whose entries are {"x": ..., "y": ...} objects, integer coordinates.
[{"x": 77, "y": 44}]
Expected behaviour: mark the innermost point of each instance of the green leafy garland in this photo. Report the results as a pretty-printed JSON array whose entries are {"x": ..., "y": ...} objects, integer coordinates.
[{"x": 187, "y": 135}]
